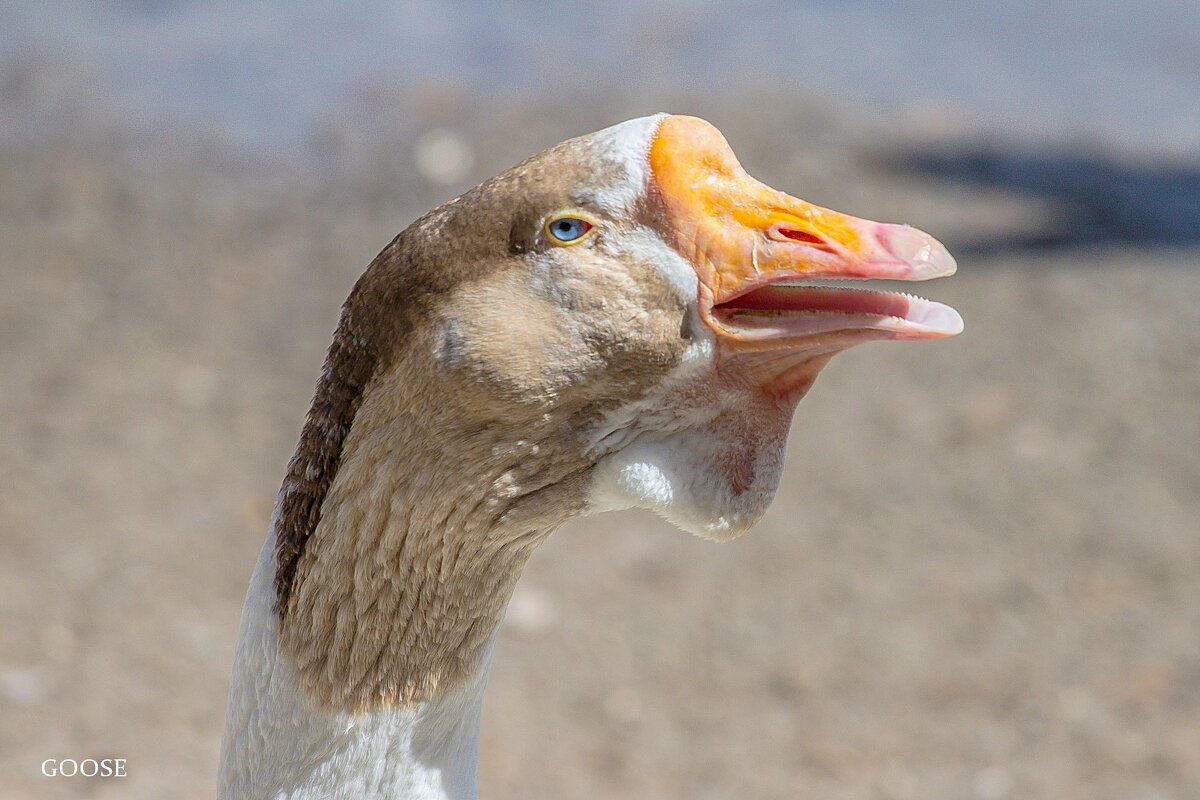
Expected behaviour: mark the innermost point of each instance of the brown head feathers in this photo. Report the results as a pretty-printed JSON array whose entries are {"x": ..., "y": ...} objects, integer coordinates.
[{"x": 446, "y": 434}]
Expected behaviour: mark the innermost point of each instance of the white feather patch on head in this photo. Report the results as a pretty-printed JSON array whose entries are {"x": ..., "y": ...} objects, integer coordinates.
[{"x": 627, "y": 143}]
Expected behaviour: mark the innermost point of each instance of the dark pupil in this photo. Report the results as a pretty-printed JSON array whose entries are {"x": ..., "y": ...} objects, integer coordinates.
[{"x": 565, "y": 227}]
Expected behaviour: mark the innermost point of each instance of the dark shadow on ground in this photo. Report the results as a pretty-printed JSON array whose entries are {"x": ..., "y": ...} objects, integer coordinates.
[{"x": 1095, "y": 199}]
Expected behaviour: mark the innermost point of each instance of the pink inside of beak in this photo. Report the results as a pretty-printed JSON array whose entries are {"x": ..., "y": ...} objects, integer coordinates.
[
  {"x": 782, "y": 310},
  {"x": 820, "y": 298}
]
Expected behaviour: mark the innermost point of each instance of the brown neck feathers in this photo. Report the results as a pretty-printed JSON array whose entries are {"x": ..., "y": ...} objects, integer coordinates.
[{"x": 364, "y": 339}]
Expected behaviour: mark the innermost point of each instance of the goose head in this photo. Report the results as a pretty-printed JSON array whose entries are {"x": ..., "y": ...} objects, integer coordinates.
[
  {"x": 626, "y": 319},
  {"x": 640, "y": 290}
]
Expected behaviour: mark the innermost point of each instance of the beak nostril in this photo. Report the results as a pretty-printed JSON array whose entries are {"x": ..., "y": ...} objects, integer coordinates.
[
  {"x": 800, "y": 236},
  {"x": 803, "y": 237}
]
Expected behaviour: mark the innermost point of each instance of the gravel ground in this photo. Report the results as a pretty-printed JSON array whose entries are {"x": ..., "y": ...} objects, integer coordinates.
[{"x": 981, "y": 577}]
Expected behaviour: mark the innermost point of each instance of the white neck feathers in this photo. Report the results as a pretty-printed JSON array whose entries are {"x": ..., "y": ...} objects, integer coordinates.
[{"x": 279, "y": 744}]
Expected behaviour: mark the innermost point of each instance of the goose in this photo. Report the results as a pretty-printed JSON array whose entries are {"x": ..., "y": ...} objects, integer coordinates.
[{"x": 625, "y": 320}]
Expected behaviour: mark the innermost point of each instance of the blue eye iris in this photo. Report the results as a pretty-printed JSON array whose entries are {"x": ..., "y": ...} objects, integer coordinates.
[{"x": 568, "y": 229}]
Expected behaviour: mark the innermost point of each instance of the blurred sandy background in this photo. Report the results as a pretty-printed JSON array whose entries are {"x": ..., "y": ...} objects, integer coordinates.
[{"x": 981, "y": 577}]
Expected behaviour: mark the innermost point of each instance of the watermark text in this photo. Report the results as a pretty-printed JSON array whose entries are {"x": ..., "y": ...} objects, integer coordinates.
[{"x": 85, "y": 767}]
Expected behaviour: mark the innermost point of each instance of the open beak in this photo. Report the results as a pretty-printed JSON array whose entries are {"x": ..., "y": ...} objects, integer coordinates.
[{"x": 764, "y": 259}]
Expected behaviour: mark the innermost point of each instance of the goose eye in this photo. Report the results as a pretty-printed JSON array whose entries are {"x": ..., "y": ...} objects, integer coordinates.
[{"x": 567, "y": 230}]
